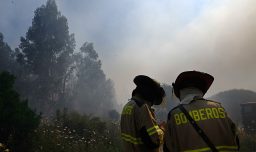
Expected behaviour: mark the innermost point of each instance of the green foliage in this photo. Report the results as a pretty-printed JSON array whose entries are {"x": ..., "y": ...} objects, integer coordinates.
[
  {"x": 55, "y": 76},
  {"x": 94, "y": 93},
  {"x": 71, "y": 131},
  {"x": 46, "y": 53},
  {"x": 51, "y": 76},
  {"x": 16, "y": 118},
  {"x": 247, "y": 142},
  {"x": 6, "y": 55}
]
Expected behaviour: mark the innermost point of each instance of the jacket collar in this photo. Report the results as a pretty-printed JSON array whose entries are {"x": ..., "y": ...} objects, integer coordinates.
[
  {"x": 190, "y": 94},
  {"x": 141, "y": 101}
]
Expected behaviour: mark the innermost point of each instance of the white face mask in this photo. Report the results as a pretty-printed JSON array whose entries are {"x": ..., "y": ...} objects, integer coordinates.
[{"x": 188, "y": 94}]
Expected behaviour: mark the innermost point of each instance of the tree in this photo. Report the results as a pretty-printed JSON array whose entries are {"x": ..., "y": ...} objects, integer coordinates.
[
  {"x": 72, "y": 131},
  {"x": 6, "y": 58},
  {"x": 46, "y": 52},
  {"x": 16, "y": 118},
  {"x": 94, "y": 93}
]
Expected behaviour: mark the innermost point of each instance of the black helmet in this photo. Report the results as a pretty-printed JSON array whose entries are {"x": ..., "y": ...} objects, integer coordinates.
[
  {"x": 196, "y": 79},
  {"x": 149, "y": 89}
]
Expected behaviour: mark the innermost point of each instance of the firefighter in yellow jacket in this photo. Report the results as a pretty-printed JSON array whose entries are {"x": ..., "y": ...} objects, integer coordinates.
[
  {"x": 139, "y": 129},
  {"x": 197, "y": 124}
]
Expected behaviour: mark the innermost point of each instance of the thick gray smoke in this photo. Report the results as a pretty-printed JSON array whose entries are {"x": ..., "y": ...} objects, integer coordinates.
[
  {"x": 158, "y": 38},
  {"x": 220, "y": 41}
]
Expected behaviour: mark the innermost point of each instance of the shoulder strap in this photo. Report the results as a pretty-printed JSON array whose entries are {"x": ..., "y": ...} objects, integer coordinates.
[{"x": 198, "y": 129}]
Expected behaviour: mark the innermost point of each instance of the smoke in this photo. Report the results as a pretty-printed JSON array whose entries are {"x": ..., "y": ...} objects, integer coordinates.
[
  {"x": 16, "y": 16},
  {"x": 157, "y": 38},
  {"x": 220, "y": 41}
]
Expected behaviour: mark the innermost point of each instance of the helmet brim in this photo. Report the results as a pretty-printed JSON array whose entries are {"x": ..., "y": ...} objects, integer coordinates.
[{"x": 197, "y": 79}]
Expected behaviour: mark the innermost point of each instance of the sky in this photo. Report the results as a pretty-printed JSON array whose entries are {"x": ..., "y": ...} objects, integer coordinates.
[{"x": 158, "y": 38}]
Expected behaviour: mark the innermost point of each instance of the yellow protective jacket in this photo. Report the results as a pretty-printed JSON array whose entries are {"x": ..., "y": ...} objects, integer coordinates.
[
  {"x": 211, "y": 117},
  {"x": 139, "y": 130}
]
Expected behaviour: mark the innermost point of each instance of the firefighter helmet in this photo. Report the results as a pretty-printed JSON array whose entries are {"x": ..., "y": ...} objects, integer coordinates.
[
  {"x": 149, "y": 89},
  {"x": 196, "y": 79}
]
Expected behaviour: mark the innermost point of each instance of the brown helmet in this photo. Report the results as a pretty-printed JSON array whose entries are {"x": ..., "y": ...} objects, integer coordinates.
[
  {"x": 196, "y": 79},
  {"x": 149, "y": 89}
]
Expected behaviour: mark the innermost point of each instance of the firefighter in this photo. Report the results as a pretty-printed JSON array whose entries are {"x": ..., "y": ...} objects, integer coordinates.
[
  {"x": 197, "y": 124},
  {"x": 139, "y": 129}
]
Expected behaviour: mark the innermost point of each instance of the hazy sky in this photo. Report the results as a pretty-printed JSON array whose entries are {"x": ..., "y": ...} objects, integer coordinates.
[{"x": 159, "y": 38}]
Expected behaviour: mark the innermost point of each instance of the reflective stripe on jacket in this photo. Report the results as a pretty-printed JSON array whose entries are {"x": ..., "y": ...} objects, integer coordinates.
[
  {"x": 211, "y": 117},
  {"x": 139, "y": 130}
]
